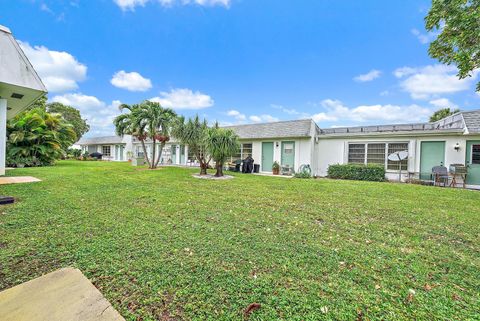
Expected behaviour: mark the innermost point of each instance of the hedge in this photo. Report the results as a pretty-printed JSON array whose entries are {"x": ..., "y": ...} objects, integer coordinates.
[{"x": 375, "y": 173}]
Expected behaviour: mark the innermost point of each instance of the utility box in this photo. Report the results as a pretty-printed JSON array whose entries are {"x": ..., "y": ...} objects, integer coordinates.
[{"x": 138, "y": 161}]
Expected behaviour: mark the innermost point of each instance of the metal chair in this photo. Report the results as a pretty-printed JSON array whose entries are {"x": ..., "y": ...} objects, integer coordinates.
[{"x": 440, "y": 176}]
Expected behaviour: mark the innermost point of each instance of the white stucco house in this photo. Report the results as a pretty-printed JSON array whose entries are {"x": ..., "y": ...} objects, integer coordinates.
[
  {"x": 116, "y": 148},
  {"x": 20, "y": 85},
  {"x": 453, "y": 140}
]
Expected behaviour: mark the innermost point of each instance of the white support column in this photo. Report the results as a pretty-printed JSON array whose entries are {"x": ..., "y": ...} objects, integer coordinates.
[{"x": 3, "y": 134}]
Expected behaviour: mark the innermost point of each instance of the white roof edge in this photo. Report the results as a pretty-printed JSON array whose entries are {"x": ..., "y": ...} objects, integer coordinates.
[
  {"x": 5, "y": 29},
  {"x": 398, "y": 133}
]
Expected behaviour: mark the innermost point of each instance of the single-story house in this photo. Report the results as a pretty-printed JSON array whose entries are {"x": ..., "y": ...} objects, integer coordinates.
[
  {"x": 452, "y": 140},
  {"x": 20, "y": 85},
  {"x": 116, "y": 148},
  {"x": 113, "y": 148}
]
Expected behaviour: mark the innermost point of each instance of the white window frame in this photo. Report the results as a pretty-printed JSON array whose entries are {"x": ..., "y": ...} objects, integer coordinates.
[
  {"x": 365, "y": 162},
  {"x": 242, "y": 152}
]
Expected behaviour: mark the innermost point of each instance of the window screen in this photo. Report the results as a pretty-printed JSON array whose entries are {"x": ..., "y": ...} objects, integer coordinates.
[
  {"x": 376, "y": 154},
  {"x": 397, "y": 147},
  {"x": 356, "y": 153},
  {"x": 106, "y": 151},
  {"x": 288, "y": 148},
  {"x": 476, "y": 154}
]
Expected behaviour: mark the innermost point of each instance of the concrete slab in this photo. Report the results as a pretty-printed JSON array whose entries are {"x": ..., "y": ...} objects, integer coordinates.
[
  {"x": 18, "y": 180},
  {"x": 65, "y": 294}
]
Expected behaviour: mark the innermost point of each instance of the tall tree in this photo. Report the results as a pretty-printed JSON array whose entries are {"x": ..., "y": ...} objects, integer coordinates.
[
  {"x": 72, "y": 116},
  {"x": 193, "y": 134},
  {"x": 442, "y": 113},
  {"x": 221, "y": 144},
  {"x": 69, "y": 113},
  {"x": 147, "y": 120},
  {"x": 36, "y": 138},
  {"x": 458, "y": 41}
]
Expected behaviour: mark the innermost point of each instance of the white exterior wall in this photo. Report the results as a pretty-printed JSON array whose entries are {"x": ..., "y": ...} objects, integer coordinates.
[
  {"x": 335, "y": 151},
  {"x": 303, "y": 150}
]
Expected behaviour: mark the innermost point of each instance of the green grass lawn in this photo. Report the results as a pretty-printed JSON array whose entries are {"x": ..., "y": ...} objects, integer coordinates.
[{"x": 164, "y": 245}]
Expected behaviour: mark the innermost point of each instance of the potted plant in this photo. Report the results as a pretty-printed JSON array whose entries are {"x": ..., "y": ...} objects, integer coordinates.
[{"x": 276, "y": 168}]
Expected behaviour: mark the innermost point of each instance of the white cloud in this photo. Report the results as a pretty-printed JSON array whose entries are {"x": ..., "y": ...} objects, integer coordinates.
[
  {"x": 183, "y": 98},
  {"x": 130, "y": 4},
  {"x": 335, "y": 110},
  {"x": 131, "y": 81},
  {"x": 59, "y": 70},
  {"x": 429, "y": 81},
  {"x": 237, "y": 115},
  {"x": 443, "y": 103},
  {"x": 126, "y": 5},
  {"x": 424, "y": 38},
  {"x": 265, "y": 118},
  {"x": 99, "y": 115},
  {"x": 371, "y": 75}
]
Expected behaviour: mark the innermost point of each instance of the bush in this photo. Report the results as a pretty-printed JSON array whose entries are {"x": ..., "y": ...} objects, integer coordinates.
[
  {"x": 303, "y": 174},
  {"x": 375, "y": 173}
]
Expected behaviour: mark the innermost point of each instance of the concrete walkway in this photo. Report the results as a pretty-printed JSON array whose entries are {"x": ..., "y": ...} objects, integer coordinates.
[
  {"x": 63, "y": 295},
  {"x": 18, "y": 180}
]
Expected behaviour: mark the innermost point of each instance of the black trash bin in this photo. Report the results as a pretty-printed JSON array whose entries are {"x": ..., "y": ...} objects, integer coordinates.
[
  {"x": 96, "y": 155},
  {"x": 256, "y": 168},
  {"x": 247, "y": 167}
]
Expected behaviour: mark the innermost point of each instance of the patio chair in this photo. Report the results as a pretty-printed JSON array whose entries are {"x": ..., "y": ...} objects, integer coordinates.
[
  {"x": 440, "y": 176},
  {"x": 287, "y": 170}
]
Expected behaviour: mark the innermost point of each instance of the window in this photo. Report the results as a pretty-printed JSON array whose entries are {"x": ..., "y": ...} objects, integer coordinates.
[
  {"x": 397, "y": 147},
  {"x": 106, "y": 151},
  {"x": 376, "y": 153},
  {"x": 356, "y": 153},
  {"x": 288, "y": 148},
  {"x": 476, "y": 154},
  {"x": 242, "y": 153}
]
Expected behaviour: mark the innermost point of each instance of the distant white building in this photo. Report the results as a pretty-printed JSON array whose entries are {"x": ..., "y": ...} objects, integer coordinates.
[{"x": 453, "y": 140}]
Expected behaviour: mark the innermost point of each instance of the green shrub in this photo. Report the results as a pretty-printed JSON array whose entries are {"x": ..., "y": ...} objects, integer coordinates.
[{"x": 375, "y": 173}]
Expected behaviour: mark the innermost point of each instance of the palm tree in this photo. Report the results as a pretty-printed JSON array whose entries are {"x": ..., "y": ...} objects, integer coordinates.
[
  {"x": 37, "y": 137},
  {"x": 147, "y": 120},
  {"x": 193, "y": 134},
  {"x": 221, "y": 143}
]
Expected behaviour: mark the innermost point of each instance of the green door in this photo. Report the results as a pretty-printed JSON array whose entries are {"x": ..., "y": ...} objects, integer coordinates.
[
  {"x": 267, "y": 157},
  {"x": 174, "y": 154},
  {"x": 288, "y": 154},
  {"x": 431, "y": 154},
  {"x": 473, "y": 162},
  {"x": 182, "y": 154}
]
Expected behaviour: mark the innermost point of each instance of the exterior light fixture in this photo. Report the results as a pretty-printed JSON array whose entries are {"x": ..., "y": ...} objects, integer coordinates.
[{"x": 457, "y": 147}]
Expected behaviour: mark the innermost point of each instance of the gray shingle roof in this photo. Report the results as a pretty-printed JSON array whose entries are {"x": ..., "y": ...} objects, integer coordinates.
[
  {"x": 100, "y": 140},
  {"x": 472, "y": 120},
  {"x": 282, "y": 129}
]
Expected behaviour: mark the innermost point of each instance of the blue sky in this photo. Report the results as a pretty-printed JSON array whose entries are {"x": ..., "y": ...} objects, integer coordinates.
[{"x": 239, "y": 61}]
